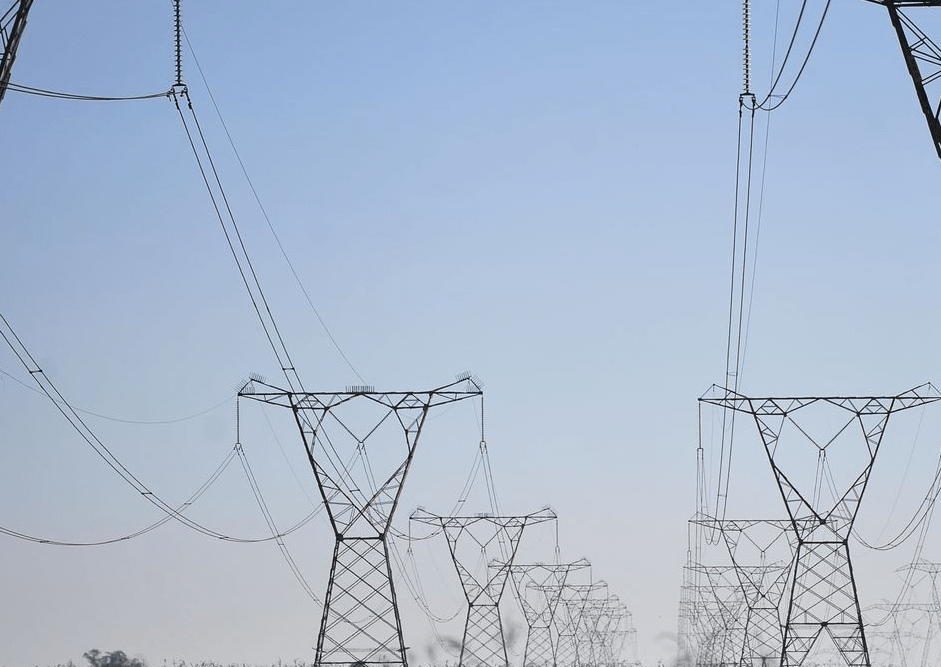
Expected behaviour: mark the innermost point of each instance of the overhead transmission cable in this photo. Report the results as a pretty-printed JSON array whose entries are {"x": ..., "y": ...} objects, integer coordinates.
[
  {"x": 737, "y": 281},
  {"x": 137, "y": 533},
  {"x": 264, "y": 213},
  {"x": 126, "y": 420},
  {"x": 234, "y": 239},
  {"x": 75, "y": 420},
  {"x": 743, "y": 245},
  {"x": 782, "y": 98},
  {"x": 43, "y": 92},
  {"x": 266, "y": 513}
]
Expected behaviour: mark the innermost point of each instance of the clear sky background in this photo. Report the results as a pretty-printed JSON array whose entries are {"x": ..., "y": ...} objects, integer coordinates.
[{"x": 537, "y": 192}]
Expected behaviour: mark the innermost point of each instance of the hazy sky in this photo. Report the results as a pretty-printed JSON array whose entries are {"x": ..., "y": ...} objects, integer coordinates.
[{"x": 537, "y": 192}]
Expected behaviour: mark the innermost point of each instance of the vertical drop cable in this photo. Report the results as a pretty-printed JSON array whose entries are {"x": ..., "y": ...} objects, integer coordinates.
[{"x": 732, "y": 371}]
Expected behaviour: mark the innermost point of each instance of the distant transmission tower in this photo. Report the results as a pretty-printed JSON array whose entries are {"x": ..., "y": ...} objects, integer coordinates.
[
  {"x": 539, "y": 590},
  {"x": 823, "y": 595},
  {"x": 915, "y": 636},
  {"x": 602, "y": 621},
  {"x": 360, "y": 624},
  {"x": 762, "y": 583},
  {"x": 717, "y": 614},
  {"x": 484, "y": 643},
  {"x": 571, "y": 648}
]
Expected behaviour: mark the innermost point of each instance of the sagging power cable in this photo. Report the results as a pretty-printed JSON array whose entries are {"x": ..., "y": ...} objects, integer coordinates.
[
  {"x": 137, "y": 533},
  {"x": 59, "y": 95},
  {"x": 264, "y": 211},
  {"x": 23, "y": 355}
]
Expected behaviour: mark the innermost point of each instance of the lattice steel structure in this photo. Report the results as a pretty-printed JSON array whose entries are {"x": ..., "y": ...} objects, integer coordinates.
[
  {"x": 913, "y": 634},
  {"x": 762, "y": 583},
  {"x": 602, "y": 620},
  {"x": 539, "y": 590},
  {"x": 360, "y": 624},
  {"x": 716, "y": 614},
  {"x": 483, "y": 643},
  {"x": 922, "y": 58},
  {"x": 823, "y": 593},
  {"x": 570, "y": 649},
  {"x": 12, "y": 25}
]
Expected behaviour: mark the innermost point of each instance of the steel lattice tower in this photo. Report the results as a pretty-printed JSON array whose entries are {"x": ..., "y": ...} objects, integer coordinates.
[
  {"x": 716, "y": 614},
  {"x": 762, "y": 584},
  {"x": 922, "y": 59},
  {"x": 602, "y": 619},
  {"x": 12, "y": 24},
  {"x": 483, "y": 643},
  {"x": 570, "y": 650},
  {"x": 823, "y": 593},
  {"x": 360, "y": 623},
  {"x": 916, "y": 617},
  {"x": 539, "y": 589}
]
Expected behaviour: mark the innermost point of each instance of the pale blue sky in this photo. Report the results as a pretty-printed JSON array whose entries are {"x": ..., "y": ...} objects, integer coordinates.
[{"x": 540, "y": 193}]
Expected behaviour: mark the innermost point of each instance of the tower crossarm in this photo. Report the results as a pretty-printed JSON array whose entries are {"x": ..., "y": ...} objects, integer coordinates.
[
  {"x": 530, "y": 580},
  {"x": 339, "y": 429},
  {"x": 12, "y": 25},
  {"x": 483, "y": 531},
  {"x": 871, "y": 413},
  {"x": 922, "y": 59},
  {"x": 860, "y": 405}
]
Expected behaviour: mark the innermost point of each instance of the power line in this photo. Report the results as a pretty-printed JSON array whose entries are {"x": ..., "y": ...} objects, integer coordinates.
[
  {"x": 104, "y": 452},
  {"x": 143, "y": 531},
  {"x": 126, "y": 420},
  {"x": 264, "y": 213},
  {"x": 43, "y": 92}
]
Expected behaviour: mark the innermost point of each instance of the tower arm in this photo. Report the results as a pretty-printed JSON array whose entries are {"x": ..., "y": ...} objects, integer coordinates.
[
  {"x": 12, "y": 24},
  {"x": 922, "y": 59}
]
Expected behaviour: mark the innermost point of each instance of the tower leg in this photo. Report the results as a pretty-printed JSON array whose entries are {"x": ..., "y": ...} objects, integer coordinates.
[
  {"x": 360, "y": 624},
  {"x": 823, "y": 597},
  {"x": 483, "y": 644},
  {"x": 538, "y": 648},
  {"x": 565, "y": 651}
]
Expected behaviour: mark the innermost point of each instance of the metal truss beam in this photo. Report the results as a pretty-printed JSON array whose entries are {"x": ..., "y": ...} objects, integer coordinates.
[
  {"x": 12, "y": 25},
  {"x": 823, "y": 593},
  {"x": 360, "y": 624},
  {"x": 483, "y": 644}
]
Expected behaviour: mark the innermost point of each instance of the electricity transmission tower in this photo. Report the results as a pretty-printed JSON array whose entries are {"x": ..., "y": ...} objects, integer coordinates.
[
  {"x": 716, "y": 614},
  {"x": 570, "y": 648},
  {"x": 602, "y": 621},
  {"x": 916, "y": 617},
  {"x": 823, "y": 593},
  {"x": 539, "y": 589},
  {"x": 922, "y": 58},
  {"x": 360, "y": 623},
  {"x": 762, "y": 584},
  {"x": 12, "y": 24},
  {"x": 483, "y": 643}
]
